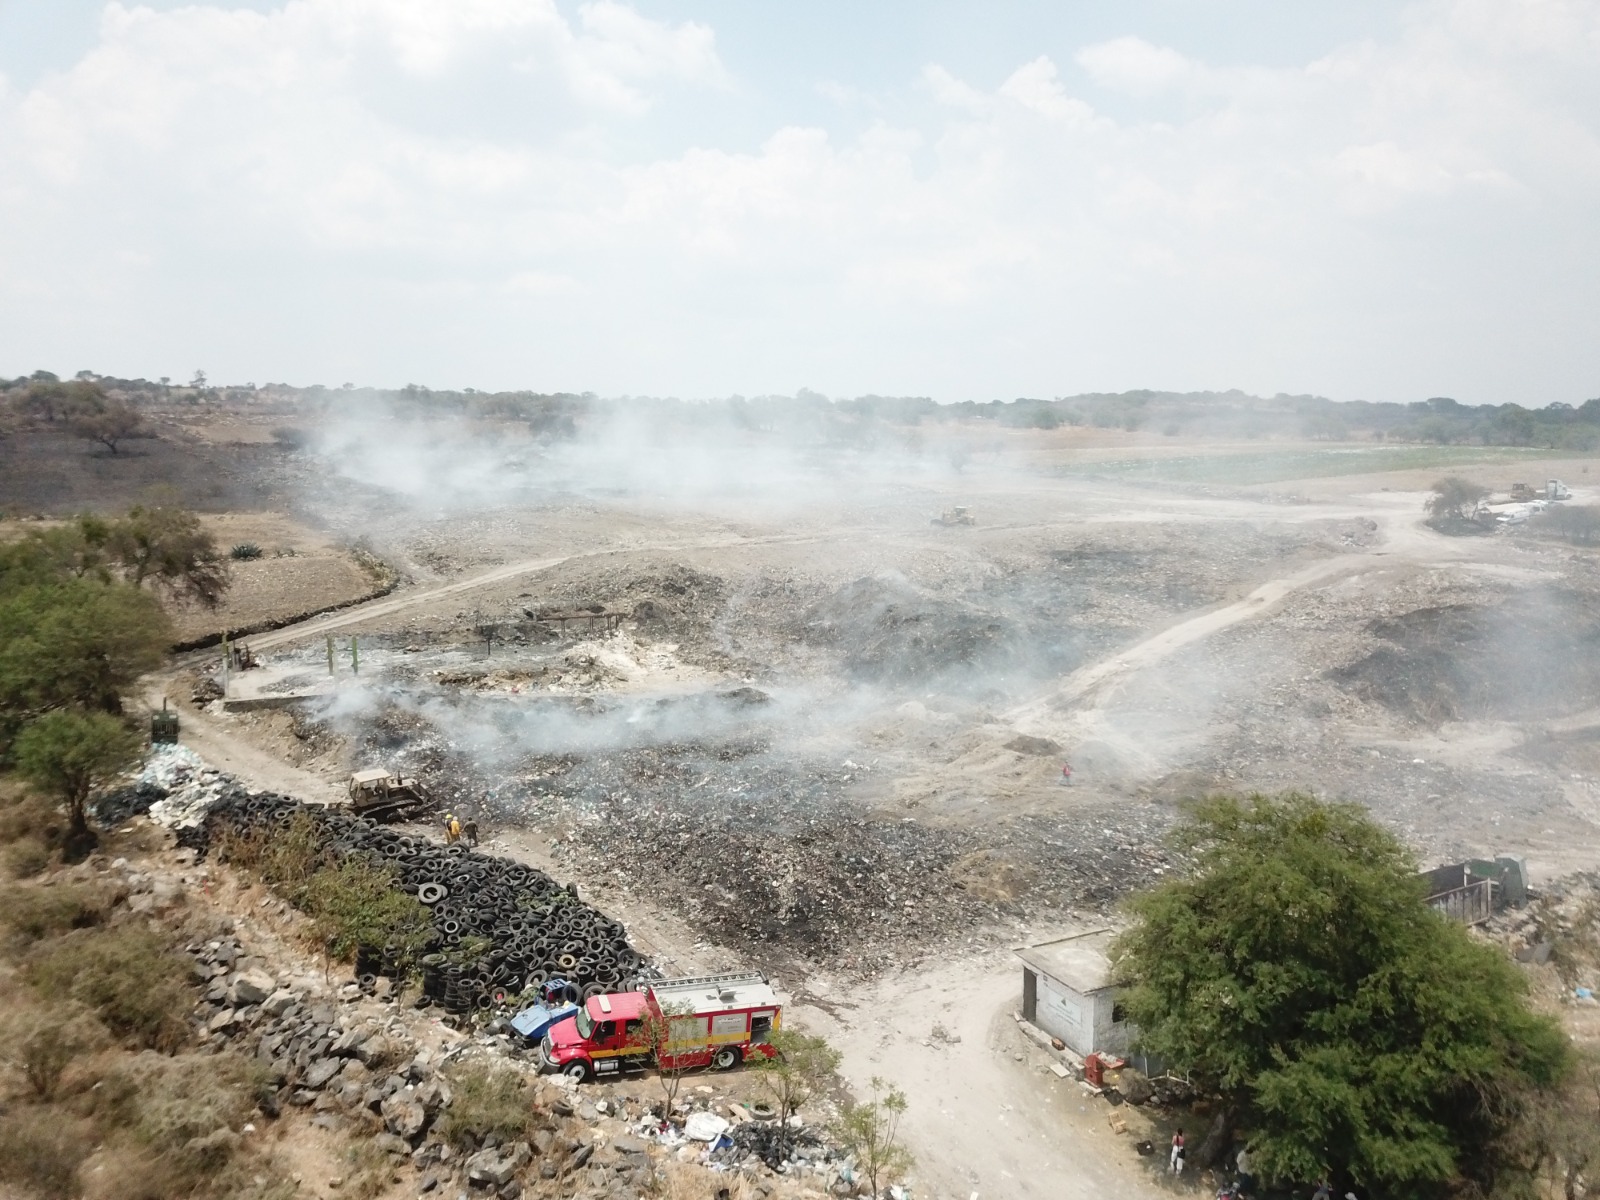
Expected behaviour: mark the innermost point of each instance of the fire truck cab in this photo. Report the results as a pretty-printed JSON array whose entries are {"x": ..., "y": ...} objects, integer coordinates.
[{"x": 711, "y": 1020}]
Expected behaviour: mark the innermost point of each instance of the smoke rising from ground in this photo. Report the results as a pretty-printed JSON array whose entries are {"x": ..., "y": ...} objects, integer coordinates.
[{"x": 668, "y": 456}]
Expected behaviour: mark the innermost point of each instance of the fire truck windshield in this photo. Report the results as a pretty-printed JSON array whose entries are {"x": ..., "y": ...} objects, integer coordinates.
[{"x": 585, "y": 1024}]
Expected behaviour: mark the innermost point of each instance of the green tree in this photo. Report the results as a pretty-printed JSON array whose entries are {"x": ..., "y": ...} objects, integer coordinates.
[
  {"x": 111, "y": 422},
  {"x": 802, "y": 1064},
  {"x": 1297, "y": 975},
  {"x": 1554, "y": 1145},
  {"x": 1455, "y": 498},
  {"x": 69, "y": 754},
  {"x": 72, "y": 643},
  {"x": 661, "y": 1038},
  {"x": 166, "y": 546},
  {"x": 50, "y": 400},
  {"x": 871, "y": 1130}
]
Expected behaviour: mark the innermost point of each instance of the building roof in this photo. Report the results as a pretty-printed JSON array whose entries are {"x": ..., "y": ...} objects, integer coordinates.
[
  {"x": 716, "y": 993},
  {"x": 617, "y": 1006},
  {"x": 1078, "y": 960}
]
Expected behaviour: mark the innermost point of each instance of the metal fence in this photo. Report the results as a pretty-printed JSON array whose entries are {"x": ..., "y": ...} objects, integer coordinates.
[{"x": 1471, "y": 905}]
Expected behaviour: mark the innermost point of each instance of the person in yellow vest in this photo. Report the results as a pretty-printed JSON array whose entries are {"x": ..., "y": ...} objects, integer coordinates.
[{"x": 452, "y": 829}]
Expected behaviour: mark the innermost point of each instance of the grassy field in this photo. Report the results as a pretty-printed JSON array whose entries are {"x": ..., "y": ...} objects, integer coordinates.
[{"x": 1273, "y": 466}]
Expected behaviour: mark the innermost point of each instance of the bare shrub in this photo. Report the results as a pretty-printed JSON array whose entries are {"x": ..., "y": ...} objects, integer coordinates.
[
  {"x": 484, "y": 1101},
  {"x": 41, "y": 1150},
  {"x": 36, "y": 911},
  {"x": 185, "y": 1110},
  {"x": 1571, "y": 523},
  {"x": 371, "y": 1171},
  {"x": 31, "y": 816},
  {"x": 130, "y": 978},
  {"x": 43, "y": 1044},
  {"x": 26, "y": 857}
]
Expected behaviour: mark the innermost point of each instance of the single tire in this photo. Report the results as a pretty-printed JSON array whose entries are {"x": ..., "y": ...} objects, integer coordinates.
[
  {"x": 726, "y": 1058},
  {"x": 576, "y": 1069},
  {"x": 431, "y": 893}
]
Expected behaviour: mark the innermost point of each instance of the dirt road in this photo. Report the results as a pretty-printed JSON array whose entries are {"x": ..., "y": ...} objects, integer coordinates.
[{"x": 985, "y": 1117}]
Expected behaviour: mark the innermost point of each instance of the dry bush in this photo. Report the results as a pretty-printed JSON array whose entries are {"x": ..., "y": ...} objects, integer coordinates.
[
  {"x": 26, "y": 857},
  {"x": 42, "y": 1043},
  {"x": 36, "y": 911},
  {"x": 41, "y": 1149},
  {"x": 487, "y": 1100},
  {"x": 127, "y": 1171},
  {"x": 284, "y": 857},
  {"x": 383, "y": 1054},
  {"x": 130, "y": 978},
  {"x": 184, "y": 1110},
  {"x": 28, "y": 815},
  {"x": 371, "y": 1171}
]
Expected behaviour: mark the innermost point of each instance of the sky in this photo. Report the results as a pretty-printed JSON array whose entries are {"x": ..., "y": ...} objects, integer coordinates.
[{"x": 1382, "y": 201}]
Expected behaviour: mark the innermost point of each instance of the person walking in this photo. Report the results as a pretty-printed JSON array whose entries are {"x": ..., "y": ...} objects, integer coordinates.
[
  {"x": 452, "y": 829},
  {"x": 1176, "y": 1162},
  {"x": 470, "y": 830},
  {"x": 1066, "y": 774},
  {"x": 1247, "y": 1175}
]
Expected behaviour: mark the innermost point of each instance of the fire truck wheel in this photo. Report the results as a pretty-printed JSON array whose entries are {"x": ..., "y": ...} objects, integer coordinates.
[
  {"x": 725, "y": 1058},
  {"x": 577, "y": 1069}
]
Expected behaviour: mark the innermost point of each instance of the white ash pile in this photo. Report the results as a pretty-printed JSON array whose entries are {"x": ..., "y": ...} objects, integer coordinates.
[{"x": 189, "y": 784}]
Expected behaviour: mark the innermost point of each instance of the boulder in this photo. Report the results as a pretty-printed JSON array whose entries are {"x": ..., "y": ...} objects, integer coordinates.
[
  {"x": 280, "y": 1002},
  {"x": 433, "y": 1095},
  {"x": 495, "y": 1168},
  {"x": 348, "y": 1043},
  {"x": 404, "y": 1117},
  {"x": 251, "y": 987},
  {"x": 320, "y": 1072},
  {"x": 390, "y": 1144}
]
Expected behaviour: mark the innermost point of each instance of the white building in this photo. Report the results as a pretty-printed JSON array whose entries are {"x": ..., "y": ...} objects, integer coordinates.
[{"x": 1067, "y": 992}]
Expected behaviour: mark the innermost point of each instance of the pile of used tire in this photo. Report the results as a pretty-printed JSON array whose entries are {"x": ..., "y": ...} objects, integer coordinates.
[{"x": 500, "y": 927}]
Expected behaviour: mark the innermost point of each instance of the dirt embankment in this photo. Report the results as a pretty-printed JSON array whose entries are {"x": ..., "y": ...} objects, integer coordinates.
[{"x": 176, "y": 1035}]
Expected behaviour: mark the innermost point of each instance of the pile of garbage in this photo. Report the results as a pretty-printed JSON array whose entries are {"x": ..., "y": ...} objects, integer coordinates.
[{"x": 175, "y": 786}]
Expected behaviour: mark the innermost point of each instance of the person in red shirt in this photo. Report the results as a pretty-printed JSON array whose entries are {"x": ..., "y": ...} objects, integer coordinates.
[{"x": 1066, "y": 774}]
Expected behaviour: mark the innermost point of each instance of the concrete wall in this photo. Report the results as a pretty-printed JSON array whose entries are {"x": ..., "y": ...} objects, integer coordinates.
[
  {"x": 1084, "y": 1023},
  {"x": 1065, "y": 1014},
  {"x": 1110, "y": 1035}
]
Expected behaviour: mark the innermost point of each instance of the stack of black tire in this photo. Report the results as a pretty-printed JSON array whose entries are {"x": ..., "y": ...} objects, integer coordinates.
[{"x": 500, "y": 927}]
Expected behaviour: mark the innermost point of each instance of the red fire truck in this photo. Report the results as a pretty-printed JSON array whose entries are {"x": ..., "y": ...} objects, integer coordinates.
[{"x": 709, "y": 1020}]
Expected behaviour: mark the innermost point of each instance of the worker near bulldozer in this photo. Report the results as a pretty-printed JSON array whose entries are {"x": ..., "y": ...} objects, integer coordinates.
[{"x": 452, "y": 829}]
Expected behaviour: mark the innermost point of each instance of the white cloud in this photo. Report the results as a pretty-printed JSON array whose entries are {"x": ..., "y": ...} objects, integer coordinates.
[
  {"x": 324, "y": 188},
  {"x": 1134, "y": 66}
]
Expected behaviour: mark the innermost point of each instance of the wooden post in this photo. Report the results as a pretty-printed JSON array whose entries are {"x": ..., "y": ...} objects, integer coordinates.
[
  {"x": 355, "y": 656},
  {"x": 330, "y": 655}
]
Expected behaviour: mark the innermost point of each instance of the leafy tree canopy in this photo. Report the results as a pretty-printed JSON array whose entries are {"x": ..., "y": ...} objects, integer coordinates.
[
  {"x": 1298, "y": 975},
  {"x": 69, "y": 754},
  {"x": 73, "y": 643},
  {"x": 160, "y": 544},
  {"x": 1455, "y": 498}
]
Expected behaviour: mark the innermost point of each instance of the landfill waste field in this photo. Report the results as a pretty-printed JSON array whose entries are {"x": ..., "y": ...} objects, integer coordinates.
[{"x": 793, "y": 717}]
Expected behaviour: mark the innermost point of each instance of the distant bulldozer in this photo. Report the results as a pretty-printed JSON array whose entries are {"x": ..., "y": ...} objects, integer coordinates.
[
  {"x": 959, "y": 515},
  {"x": 385, "y": 796}
]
